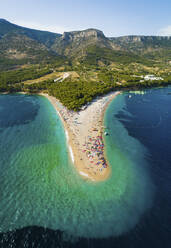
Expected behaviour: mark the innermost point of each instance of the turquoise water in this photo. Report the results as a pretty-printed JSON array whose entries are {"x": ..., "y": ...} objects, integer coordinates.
[{"x": 40, "y": 187}]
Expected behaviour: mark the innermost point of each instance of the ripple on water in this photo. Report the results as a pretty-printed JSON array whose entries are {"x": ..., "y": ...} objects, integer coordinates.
[{"x": 41, "y": 187}]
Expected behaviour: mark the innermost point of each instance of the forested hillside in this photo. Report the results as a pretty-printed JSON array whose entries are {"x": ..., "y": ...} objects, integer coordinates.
[{"x": 34, "y": 61}]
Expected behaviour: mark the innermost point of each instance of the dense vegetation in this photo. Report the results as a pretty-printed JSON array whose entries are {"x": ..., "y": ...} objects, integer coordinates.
[
  {"x": 75, "y": 93},
  {"x": 95, "y": 54},
  {"x": 17, "y": 76},
  {"x": 11, "y": 80},
  {"x": 100, "y": 64}
]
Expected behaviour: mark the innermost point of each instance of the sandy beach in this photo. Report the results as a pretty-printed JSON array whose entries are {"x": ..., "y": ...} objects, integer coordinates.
[{"x": 84, "y": 133}]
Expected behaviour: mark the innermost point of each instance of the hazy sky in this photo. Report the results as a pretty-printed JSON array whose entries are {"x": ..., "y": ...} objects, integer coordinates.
[{"x": 113, "y": 17}]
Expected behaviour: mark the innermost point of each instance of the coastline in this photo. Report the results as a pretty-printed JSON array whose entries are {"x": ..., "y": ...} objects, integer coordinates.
[{"x": 84, "y": 134}]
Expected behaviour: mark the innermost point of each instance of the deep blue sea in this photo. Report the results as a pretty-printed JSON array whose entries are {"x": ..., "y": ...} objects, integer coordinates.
[{"x": 44, "y": 203}]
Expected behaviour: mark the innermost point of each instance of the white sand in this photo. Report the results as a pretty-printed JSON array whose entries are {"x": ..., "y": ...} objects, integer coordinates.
[{"x": 79, "y": 127}]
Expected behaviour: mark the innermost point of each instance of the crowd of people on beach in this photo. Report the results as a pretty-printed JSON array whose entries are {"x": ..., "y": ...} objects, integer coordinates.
[
  {"x": 94, "y": 150},
  {"x": 93, "y": 147}
]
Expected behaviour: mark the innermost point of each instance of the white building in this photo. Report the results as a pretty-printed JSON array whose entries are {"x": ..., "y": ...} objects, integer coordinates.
[{"x": 152, "y": 77}]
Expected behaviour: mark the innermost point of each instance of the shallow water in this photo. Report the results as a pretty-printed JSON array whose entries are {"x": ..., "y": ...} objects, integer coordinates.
[{"x": 40, "y": 187}]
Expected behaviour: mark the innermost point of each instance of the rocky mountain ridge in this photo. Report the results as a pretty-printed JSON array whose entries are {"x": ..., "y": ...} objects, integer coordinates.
[{"x": 76, "y": 45}]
